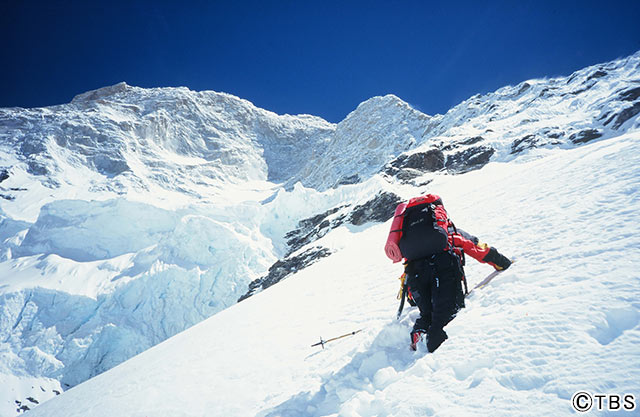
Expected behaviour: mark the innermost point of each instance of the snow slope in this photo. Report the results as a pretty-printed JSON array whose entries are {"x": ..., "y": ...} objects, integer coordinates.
[
  {"x": 565, "y": 318},
  {"x": 127, "y": 216},
  {"x": 131, "y": 214}
]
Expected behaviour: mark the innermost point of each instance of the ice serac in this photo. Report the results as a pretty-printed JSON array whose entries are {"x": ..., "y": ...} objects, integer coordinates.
[
  {"x": 131, "y": 214},
  {"x": 561, "y": 320}
]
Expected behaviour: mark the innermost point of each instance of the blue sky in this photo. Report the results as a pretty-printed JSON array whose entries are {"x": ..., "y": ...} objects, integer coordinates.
[{"x": 316, "y": 57}]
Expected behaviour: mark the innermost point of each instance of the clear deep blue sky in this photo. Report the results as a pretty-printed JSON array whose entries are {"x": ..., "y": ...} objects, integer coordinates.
[{"x": 315, "y": 57}]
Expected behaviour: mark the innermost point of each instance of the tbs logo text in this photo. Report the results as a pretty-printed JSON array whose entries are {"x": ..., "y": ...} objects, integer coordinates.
[{"x": 583, "y": 401}]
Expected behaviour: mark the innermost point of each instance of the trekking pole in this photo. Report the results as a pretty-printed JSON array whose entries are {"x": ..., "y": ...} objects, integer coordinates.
[{"x": 323, "y": 342}]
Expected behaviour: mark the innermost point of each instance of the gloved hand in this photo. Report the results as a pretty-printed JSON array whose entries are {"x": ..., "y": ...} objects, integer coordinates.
[{"x": 497, "y": 260}]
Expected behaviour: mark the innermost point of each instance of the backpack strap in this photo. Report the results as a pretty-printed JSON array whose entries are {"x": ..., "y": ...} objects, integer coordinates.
[{"x": 462, "y": 258}]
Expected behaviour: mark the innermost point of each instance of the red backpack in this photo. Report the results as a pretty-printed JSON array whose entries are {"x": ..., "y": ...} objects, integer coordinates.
[{"x": 418, "y": 230}]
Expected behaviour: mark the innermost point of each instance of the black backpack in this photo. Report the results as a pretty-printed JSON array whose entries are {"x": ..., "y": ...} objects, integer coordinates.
[{"x": 424, "y": 231}]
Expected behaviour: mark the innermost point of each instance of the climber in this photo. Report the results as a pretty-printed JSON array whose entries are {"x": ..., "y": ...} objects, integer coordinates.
[{"x": 434, "y": 250}]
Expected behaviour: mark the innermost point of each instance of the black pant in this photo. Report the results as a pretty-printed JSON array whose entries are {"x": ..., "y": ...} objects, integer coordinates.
[{"x": 435, "y": 286}]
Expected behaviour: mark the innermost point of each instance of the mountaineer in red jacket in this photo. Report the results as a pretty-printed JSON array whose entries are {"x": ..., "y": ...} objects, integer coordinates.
[{"x": 434, "y": 252}]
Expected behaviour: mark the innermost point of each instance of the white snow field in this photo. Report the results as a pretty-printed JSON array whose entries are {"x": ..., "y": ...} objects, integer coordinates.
[
  {"x": 130, "y": 215},
  {"x": 565, "y": 318}
]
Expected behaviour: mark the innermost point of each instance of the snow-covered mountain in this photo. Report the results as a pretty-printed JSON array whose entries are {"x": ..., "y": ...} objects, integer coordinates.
[
  {"x": 565, "y": 318},
  {"x": 131, "y": 214}
]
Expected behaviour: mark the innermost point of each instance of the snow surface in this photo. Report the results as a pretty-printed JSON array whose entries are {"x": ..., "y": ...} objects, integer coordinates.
[
  {"x": 565, "y": 318},
  {"x": 131, "y": 214}
]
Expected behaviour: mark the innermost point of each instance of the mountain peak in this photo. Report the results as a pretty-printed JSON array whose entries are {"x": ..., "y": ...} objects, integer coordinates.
[
  {"x": 135, "y": 213},
  {"x": 103, "y": 92},
  {"x": 387, "y": 101}
]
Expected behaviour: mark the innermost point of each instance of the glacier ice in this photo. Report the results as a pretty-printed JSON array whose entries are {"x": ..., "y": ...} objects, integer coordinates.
[{"x": 137, "y": 213}]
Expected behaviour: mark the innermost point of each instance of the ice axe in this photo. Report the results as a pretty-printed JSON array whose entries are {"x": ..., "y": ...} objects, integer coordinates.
[
  {"x": 402, "y": 294},
  {"x": 323, "y": 342}
]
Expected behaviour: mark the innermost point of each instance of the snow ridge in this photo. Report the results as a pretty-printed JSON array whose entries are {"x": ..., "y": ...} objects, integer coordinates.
[
  {"x": 562, "y": 320},
  {"x": 130, "y": 214}
]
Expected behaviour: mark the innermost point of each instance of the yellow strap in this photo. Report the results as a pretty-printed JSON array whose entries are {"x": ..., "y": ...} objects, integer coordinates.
[{"x": 402, "y": 279}]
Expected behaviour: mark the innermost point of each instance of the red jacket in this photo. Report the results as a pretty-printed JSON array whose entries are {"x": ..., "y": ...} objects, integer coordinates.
[
  {"x": 462, "y": 242},
  {"x": 470, "y": 245}
]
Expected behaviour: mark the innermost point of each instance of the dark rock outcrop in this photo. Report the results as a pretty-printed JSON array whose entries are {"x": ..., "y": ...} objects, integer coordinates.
[
  {"x": 351, "y": 179},
  {"x": 585, "y": 136},
  {"x": 380, "y": 209},
  {"x": 630, "y": 95},
  {"x": 313, "y": 228},
  {"x": 524, "y": 87},
  {"x": 407, "y": 167},
  {"x": 624, "y": 115},
  {"x": 469, "y": 159},
  {"x": 527, "y": 142},
  {"x": 285, "y": 267},
  {"x": 429, "y": 161},
  {"x": 468, "y": 141},
  {"x": 597, "y": 74}
]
